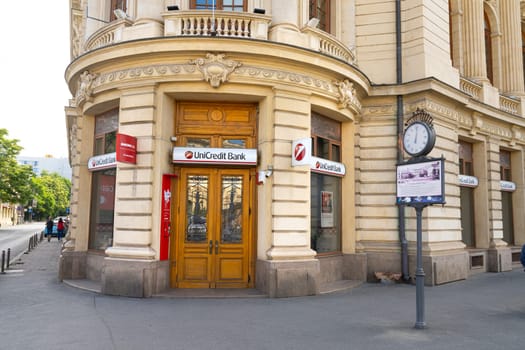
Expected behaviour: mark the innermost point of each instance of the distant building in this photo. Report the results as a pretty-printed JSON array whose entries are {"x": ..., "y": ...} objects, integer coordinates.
[{"x": 49, "y": 164}]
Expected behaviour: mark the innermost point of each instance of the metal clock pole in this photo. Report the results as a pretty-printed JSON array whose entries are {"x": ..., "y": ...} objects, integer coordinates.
[{"x": 420, "y": 273}]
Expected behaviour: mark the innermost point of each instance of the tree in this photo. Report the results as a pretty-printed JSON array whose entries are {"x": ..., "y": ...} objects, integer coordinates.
[
  {"x": 15, "y": 179},
  {"x": 51, "y": 192}
]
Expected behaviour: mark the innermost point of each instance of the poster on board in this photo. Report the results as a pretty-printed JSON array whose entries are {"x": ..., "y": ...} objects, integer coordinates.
[{"x": 421, "y": 182}]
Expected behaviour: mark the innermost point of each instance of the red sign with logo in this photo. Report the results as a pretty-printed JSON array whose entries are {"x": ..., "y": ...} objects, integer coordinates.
[
  {"x": 126, "y": 149},
  {"x": 165, "y": 216},
  {"x": 301, "y": 151}
]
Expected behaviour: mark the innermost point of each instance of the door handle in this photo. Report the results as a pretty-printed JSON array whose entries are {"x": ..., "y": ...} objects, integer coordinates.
[
  {"x": 216, "y": 247},
  {"x": 211, "y": 247}
]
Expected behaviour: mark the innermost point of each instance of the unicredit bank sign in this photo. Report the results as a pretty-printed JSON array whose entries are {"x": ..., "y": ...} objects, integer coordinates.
[
  {"x": 232, "y": 156},
  {"x": 104, "y": 161},
  {"x": 328, "y": 167}
]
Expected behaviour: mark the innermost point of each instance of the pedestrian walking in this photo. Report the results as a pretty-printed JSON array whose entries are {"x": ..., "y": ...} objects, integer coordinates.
[
  {"x": 60, "y": 229},
  {"x": 49, "y": 228}
]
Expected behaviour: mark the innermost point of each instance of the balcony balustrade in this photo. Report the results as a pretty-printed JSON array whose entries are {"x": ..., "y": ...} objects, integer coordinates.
[{"x": 218, "y": 23}]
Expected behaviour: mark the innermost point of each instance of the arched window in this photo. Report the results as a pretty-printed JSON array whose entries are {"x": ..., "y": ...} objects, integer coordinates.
[{"x": 488, "y": 48}]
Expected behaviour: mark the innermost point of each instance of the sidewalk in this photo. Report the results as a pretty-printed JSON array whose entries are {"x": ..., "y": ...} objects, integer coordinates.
[{"x": 487, "y": 311}]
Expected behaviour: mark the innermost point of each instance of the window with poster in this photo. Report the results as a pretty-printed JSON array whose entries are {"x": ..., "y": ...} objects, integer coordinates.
[
  {"x": 103, "y": 183},
  {"x": 325, "y": 189}
]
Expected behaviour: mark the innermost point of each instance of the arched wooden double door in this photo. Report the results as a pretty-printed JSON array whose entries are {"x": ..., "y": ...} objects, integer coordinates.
[{"x": 214, "y": 229}]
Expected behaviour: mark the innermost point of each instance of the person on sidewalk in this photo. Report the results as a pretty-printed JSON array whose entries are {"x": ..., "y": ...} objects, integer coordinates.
[
  {"x": 60, "y": 229},
  {"x": 522, "y": 258},
  {"x": 49, "y": 228}
]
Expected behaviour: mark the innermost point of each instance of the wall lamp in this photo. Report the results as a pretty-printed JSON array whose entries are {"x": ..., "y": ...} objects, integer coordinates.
[
  {"x": 173, "y": 8},
  {"x": 259, "y": 11}
]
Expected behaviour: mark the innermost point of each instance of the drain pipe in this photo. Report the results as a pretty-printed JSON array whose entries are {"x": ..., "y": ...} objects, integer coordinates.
[{"x": 399, "y": 119}]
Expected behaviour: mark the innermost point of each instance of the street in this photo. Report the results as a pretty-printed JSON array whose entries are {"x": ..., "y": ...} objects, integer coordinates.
[
  {"x": 487, "y": 311},
  {"x": 17, "y": 237}
]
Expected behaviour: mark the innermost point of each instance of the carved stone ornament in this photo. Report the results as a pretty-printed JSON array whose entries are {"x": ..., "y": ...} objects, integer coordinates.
[
  {"x": 85, "y": 90},
  {"x": 516, "y": 135},
  {"x": 347, "y": 95},
  {"x": 477, "y": 123},
  {"x": 215, "y": 69}
]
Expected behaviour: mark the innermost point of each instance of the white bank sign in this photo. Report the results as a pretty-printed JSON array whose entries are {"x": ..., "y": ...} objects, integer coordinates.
[{"x": 234, "y": 156}]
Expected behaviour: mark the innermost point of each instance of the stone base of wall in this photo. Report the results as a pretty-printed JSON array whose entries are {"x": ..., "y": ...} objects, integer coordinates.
[
  {"x": 386, "y": 262},
  {"x": 139, "y": 278},
  {"x": 72, "y": 265},
  {"x": 355, "y": 267},
  {"x": 342, "y": 267},
  {"x": 499, "y": 259},
  {"x": 281, "y": 279},
  {"x": 443, "y": 268}
]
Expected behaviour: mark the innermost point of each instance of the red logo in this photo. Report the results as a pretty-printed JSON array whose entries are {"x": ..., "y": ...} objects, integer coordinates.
[
  {"x": 317, "y": 165},
  {"x": 188, "y": 154},
  {"x": 299, "y": 152}
]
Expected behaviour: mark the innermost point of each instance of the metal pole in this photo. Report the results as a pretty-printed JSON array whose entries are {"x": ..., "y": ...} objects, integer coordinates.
[
  {"x": 8, "y": 257},
  {"x": 420, "y": 274},
  {"x": 3, "y": 261}
]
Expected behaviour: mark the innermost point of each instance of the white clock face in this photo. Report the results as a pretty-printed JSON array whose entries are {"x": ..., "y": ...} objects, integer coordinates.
[{"x": 416, "y": 138}]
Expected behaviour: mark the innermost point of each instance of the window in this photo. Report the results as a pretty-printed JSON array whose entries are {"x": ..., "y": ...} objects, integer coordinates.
[
  {"x": 504, "y": 166},
  {"x": 465, "y": 158},
  {"x": 320, "y": 9},
  {"x": 103, "y": 184},
  {"x": 506, "y": 198},
  {"x": 226, "y": 5},
  {"x": 325, "y": 190},
  {"x": 106, "y": 126},
  {"x": 488, "y": 49},
  {"x": 117, "y": 4},
  {"x": 467, "y": 195}
]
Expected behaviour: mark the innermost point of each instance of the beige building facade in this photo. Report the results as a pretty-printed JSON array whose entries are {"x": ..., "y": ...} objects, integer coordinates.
[{"x": 254, "y": 144}]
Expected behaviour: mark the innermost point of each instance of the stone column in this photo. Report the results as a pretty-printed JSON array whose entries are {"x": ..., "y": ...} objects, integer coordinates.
[
  {"x": 73, "y": 256},
  {"x": 289, "y": 267},
  {"x": 474, "y": 40},
  {"x": 499, "y": 255},
  {"x": 512, "y": 60},
  {"x": 130, "y": 266}
]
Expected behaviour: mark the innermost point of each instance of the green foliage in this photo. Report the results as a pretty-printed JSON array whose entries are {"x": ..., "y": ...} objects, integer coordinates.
[
  {"x": 52, "y": 193},
  {"x": 18, "y": 184},
  {"x": 15, "y": 179}
]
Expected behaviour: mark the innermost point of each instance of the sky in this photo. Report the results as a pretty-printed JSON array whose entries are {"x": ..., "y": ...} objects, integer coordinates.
[{"x": 34, "y": 54}]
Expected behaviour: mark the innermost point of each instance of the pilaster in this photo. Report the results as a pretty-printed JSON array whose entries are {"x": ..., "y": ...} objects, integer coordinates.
[
  {"x": 132, "y": 236},
  {"x": 290, "y": 197}
]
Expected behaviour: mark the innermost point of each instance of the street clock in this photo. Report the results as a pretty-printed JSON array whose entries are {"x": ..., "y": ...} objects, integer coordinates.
[{"x": 419, "y": 136}]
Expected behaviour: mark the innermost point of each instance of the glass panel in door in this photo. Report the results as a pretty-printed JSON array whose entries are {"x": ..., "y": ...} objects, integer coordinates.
[
  {"x": 231, "y": 213},
  {"x": 196, "y": 208}
]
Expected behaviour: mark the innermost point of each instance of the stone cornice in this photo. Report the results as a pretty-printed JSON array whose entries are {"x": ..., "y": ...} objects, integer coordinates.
[{"x": 217, "y": 70}]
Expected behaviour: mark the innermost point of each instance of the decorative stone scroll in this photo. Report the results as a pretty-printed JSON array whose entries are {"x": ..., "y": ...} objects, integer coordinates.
[{"x": 215, "y": 69}]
